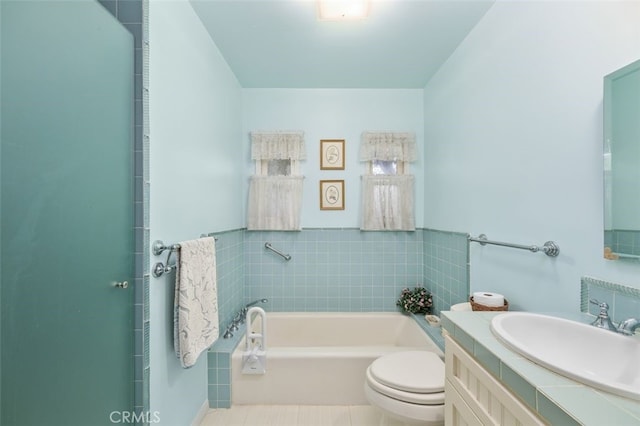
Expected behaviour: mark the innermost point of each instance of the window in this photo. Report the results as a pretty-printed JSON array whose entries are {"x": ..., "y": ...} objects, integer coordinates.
[
  {"x": 387, "y": 190},
  {"x": 277, "y": 167},
  {"x": 275, "y": 191},
  {"x": 382, "y": 167}
]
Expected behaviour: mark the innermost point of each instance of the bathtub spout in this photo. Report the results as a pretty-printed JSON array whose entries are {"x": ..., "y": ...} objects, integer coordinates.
[
  {"x": 243, "y": 312},
  {"x": 255, "y": 302}
]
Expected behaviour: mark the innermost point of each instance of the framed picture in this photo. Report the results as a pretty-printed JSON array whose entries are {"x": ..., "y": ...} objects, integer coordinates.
[
  {"x": 332, "y": 154},
  {"x": 332, "y": 195}
]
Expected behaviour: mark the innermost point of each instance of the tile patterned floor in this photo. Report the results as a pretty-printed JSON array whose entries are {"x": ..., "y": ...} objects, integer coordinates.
[{"x": 297, "y": 415}]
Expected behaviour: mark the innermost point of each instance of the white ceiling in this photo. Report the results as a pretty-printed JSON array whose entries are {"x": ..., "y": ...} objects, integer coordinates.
[{"x": 281, "y": 44}]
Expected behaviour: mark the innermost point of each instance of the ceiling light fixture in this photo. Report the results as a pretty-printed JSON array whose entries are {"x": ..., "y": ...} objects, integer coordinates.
[{"x": 341, "y": 10}]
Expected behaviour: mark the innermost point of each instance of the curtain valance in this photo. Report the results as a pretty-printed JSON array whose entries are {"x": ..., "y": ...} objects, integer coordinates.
[
  {"x": 388, "y": 146},
  {"x": 277, "y": 146}
]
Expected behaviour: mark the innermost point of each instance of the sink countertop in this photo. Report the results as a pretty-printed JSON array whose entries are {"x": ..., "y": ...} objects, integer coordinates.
[{"x": 560, "y": 400}]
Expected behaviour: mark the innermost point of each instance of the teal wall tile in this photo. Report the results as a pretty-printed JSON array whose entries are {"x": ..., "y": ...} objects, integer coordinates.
[
  {"x": 348, "y": 269},
  {"x": 446, "y": 267},
  {"x": 624, "y": 301},
  {"x": 331, "y": 269}
]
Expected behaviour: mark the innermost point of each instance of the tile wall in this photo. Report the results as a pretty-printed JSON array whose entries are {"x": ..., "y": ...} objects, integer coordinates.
[
  {"x": 446, "y": 267},
  {"x": 623, "y": 301},
  {"x": 230, "y": 273},
  {"x": 621, "y": 241},
  {"x": 336, "y": 269},
  {"x": 332, "y": 269}
]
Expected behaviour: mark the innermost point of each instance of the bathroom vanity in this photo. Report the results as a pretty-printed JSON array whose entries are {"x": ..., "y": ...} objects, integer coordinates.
[
  {"x": 475, "y": 397},
  {"x": 488, "y": 384}
]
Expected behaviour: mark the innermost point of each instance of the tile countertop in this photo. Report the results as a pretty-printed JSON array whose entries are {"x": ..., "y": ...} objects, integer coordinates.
[{"x": 559, "y": 400}]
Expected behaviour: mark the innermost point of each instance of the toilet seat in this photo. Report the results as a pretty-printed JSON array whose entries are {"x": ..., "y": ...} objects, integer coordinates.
[
  {"x": 436, "y": 398},
  {"x": 408, "y": 386},
  {"x": 411, "y": 371},
  {"x": 414, "y": 376}
]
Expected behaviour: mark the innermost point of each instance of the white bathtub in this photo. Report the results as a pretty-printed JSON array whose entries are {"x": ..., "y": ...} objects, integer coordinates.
[{"x": 321, "y": 358}]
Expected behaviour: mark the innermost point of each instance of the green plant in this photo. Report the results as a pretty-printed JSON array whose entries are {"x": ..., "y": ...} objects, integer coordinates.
[{"x": 417, "y": 301}]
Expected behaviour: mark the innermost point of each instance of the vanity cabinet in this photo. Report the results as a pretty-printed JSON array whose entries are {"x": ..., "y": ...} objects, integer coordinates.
[{"x": 474, "y": 397}]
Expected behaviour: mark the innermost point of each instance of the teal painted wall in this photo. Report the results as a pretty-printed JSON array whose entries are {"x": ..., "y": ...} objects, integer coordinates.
[
  {"x": 335, "y": 114},
  {"x": 513, "y": 128},
  {"x": 500, "y": 127},
  {"x": 195, "y": 112}
]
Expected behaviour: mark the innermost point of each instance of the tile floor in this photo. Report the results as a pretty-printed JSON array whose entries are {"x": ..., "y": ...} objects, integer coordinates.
[{"x": 297, "y": 415}]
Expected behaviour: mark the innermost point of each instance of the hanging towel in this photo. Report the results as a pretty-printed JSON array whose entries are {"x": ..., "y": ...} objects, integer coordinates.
[{"x": 196, "y": 300}]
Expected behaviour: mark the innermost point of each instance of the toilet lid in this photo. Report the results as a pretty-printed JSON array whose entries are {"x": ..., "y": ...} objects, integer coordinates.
[{"x": 412, "y": 371}]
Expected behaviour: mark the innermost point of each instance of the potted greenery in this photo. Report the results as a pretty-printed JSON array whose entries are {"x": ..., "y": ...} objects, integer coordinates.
[{"x": 416, "y": 301}]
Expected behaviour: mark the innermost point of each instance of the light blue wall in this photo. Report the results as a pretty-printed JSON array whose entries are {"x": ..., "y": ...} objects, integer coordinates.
[
  {"x": 195, "y": 112},
  {"x": 513, "y": 131},
  {"x": 510, "y": 133},
  {"x": 334, "y": 114}
]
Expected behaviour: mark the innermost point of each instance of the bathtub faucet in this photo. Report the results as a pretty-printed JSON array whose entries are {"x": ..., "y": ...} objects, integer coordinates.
[
  {"x": 244, "y": 310},
  {"x": 240, "y": 318}
]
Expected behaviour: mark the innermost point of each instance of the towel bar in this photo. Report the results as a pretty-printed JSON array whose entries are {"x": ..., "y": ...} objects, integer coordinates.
[
  {"x": 550, "y": 248},
  {"x": 158, "y": 247}
]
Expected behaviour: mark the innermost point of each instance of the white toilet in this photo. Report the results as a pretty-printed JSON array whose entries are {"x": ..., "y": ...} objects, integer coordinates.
[{"x": 408, "y": 386}]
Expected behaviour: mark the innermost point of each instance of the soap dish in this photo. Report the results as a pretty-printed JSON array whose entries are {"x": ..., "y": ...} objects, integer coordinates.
[{"x": 433, "y": 320}]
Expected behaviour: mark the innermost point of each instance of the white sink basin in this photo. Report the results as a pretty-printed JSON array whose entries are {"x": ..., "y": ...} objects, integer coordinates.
[{"x": 599, "y": 358}]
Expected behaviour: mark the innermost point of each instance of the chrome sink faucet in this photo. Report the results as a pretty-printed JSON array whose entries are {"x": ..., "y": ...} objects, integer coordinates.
[
  {"x": 627, "y": 327},
  {"x": 603, "y": 320}
]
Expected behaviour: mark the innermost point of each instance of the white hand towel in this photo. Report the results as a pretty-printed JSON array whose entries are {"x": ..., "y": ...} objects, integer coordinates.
[{"x": 196, "y": 300}]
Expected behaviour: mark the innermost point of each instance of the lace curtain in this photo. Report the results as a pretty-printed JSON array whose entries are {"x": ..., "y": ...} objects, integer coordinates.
[
  {"x": 388, "y": 146},
  {"x": 388, "y": 200},
  {"x": 277, "y": 146},
  {"x": 387, "y": 203},
  {"x": 275, "y": 202}
]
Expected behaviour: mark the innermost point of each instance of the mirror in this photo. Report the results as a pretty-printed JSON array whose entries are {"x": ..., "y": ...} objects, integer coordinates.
[{"x": 622, "y": 163}]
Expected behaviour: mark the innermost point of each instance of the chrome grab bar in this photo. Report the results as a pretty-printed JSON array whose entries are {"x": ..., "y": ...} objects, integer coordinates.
[
  {"x": 550, "y": 248},
  {"x": 278, "y": 252}
]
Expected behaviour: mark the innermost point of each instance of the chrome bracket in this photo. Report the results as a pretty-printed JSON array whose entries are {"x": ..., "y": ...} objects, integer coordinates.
[
  {"x": 551, "y": 249},
  {"x": 158, "y": 269}
]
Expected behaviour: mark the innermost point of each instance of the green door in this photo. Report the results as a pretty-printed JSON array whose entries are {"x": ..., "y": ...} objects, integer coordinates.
[{"x": 67, "y": 214}]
